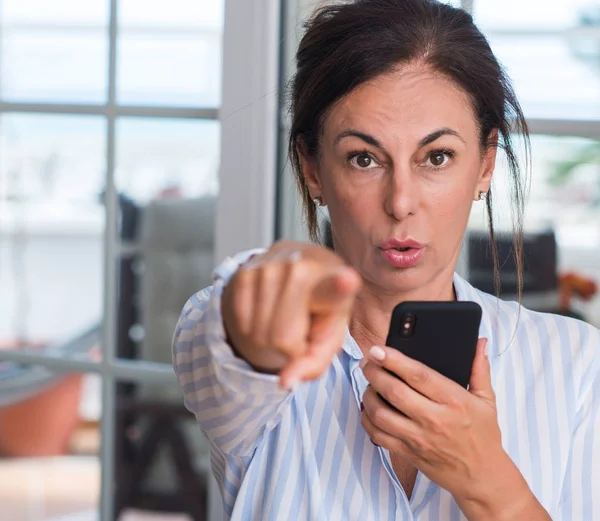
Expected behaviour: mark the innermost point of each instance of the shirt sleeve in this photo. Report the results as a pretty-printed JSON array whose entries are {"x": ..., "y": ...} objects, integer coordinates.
[
  {"x": 234, "y": 405},
  {"x": 580, "y": 499}
]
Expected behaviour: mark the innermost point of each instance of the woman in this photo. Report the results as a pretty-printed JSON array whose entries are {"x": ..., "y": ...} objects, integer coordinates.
[{"x": 398, "y": 109}]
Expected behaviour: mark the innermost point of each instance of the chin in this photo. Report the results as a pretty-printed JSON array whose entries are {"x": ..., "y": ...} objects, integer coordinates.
[
  {"x": 393, "y": 280},
  {"x": 406, "y": 280}
]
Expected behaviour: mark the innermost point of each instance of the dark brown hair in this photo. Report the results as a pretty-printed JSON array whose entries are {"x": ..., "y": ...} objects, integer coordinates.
[{"x": 350, "y": 43}]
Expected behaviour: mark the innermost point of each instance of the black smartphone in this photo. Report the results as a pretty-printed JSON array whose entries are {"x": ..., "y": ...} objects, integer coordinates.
[{"x": 441, "y": 335}]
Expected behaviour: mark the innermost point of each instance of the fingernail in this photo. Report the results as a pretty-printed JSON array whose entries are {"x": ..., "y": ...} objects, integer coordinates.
[
  {"x": 377, "y": 353},
  {"x": 362, "y": 362},
  {"x": 485, "y": 348}
]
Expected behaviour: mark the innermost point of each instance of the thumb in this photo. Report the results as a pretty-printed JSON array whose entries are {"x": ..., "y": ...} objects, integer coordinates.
[{"x": 480, "y": 383}]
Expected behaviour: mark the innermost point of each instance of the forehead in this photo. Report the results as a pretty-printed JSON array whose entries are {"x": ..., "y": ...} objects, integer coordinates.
[{"x": 410, "y": 101}]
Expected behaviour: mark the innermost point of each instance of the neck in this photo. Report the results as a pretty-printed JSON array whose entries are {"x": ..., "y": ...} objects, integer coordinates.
[{"x": 373, "y": 308}]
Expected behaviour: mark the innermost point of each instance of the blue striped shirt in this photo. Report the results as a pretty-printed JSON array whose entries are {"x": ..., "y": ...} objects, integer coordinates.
[{"x": 303, "y": 455}]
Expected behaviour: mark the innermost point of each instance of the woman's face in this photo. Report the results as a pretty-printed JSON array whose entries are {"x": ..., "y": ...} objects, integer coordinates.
[{"x": 399, "y": 167}]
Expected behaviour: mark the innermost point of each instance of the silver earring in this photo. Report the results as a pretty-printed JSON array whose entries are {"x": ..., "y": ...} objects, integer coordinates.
[
  {"x": 482, "y": 195},
  {"x": 318, "y": 201}
]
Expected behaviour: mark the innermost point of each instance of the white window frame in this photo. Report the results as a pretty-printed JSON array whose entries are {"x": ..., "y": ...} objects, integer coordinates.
[{"x": 246, "y": 203}]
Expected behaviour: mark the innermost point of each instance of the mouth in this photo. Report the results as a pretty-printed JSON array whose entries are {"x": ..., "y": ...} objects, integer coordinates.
[
  {"x": 402, "y": 253},
  {"x": 403, "y": 257},
  {"x": 402, "y": 245}
]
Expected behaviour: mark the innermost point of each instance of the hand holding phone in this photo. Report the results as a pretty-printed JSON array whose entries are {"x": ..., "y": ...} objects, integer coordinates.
[
  {"x": 441, "y": 335},
  {"x": 449, "y": 434}
]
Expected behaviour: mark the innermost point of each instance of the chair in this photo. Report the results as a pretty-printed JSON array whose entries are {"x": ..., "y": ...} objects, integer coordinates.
[
  {"x": 170, "y": 245},
  {"x": 540, "y": 267}
]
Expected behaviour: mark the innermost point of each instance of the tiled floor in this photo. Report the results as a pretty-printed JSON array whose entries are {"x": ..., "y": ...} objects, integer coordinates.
[
  {"x": 48, "y": 488},
  {"x": 57, "y": 489}
]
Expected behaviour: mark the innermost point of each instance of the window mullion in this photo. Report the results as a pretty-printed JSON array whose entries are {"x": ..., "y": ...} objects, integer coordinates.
[
  {"x": 563, "y": 127},
  {"x": 108, "y": 421},
  {"x": 137, "y": 111}
]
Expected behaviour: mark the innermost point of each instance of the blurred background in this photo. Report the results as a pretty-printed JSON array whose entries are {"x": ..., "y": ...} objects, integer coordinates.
[{"x": 142, "y": 141}]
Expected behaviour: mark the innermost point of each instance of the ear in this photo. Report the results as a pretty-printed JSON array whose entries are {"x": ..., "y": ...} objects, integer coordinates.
[
  {"x": 310, "y": 169},
  {"x": 488, "y": 164}
]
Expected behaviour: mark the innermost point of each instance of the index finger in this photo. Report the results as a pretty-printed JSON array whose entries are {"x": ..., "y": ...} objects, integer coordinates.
[
  {"x": 327, "y": 339},
  {"x": 417, "y": 375}
]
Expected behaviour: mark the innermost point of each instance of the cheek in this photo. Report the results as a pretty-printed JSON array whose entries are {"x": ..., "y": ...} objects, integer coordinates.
[
  {"x": 453, "y": 199},
  {"x": 451, "y": 204},
  {"x": 350, "y": 208},
  {"x": 350, "y": 198},
  {"x": 448, "y": 212}
]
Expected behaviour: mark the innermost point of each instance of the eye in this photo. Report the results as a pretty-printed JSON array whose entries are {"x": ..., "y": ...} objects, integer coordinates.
[
  {"x": 439, "y": 158},
  {"x": 363, "y": 161}
]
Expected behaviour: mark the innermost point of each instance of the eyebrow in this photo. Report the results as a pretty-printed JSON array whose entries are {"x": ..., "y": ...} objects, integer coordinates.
[
  {"x": 370, "y": 140},
  {"x": 434, "y": 136}
]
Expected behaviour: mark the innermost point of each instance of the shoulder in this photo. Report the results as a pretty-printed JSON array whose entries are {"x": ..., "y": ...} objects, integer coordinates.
[
  {"x": 509, "y": 315},
  {"x": 575, "y": 336},
  {"x": 573, "y": 345}
]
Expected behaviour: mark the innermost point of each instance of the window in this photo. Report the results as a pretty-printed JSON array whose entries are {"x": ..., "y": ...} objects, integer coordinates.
[
  {"x": 108, "y": 130},
  {"x": 47, "y": 46},
  {"x": 551, "y": 51},
  {"x": 170, "y": 54},
  {"x": 77, "y": 130}
]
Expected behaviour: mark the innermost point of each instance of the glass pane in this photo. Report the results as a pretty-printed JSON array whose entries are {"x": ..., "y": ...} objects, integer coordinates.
[
  {"x": 158, "y": 157},
  {"x": 531, "y": 14},
  {"x": 56, "y": 12},
  {"x": 54, "y": 52},
  {"x": 565, "y": 199},
  {"x": 565, "y": 189},
  {"x": 51, "y": 231},
  {"x": 49, "y": 442},
  {"x": 175, "y": 13},
  {"x": 167, "y": 177},
  {"x": 551, "y": 50},
  {"x": 170, "y": 53},
  {"x": 554, "y": 77}
]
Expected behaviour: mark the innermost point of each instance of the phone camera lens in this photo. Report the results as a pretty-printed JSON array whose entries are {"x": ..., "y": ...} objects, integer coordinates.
[{"x": 408, "y": 326}]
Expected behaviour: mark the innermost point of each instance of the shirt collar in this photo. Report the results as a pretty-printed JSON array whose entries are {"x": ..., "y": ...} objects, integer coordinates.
[{"x": 464, "y": 292}]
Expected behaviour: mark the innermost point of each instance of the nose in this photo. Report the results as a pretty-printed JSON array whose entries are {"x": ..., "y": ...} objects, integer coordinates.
[{"x": 401, "y": 193}]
